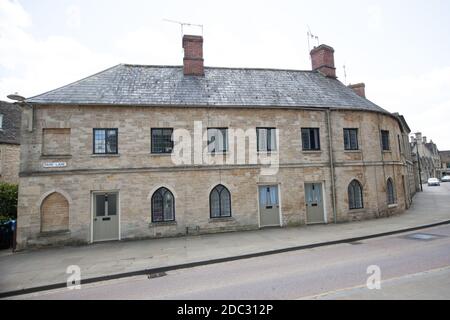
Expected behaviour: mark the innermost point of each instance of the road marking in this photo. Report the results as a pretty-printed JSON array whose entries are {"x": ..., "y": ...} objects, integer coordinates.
[{"x": 412, "y": 275}]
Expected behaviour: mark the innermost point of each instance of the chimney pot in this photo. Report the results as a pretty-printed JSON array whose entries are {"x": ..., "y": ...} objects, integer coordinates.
[
  {"x": 322, "y": 59},
  {"x": 424, "y": 139},
  {"x": 193, "y": 55},
  {"x": 359, "y": 88}
]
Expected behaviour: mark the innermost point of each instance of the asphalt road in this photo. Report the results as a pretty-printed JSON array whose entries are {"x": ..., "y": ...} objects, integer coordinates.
[{"x": 410, "y": 268}]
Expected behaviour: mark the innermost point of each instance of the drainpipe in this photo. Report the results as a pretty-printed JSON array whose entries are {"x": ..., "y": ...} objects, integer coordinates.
[
  {"x": 420, "y": 170},
  {"x": 330, "y": 151}
]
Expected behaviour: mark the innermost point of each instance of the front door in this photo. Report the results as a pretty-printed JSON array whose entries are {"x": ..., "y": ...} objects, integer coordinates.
[
  {"x": 106, "y": 220},
  {"x": 269, "y": 207},
  {"x": 314, "y": 203}
]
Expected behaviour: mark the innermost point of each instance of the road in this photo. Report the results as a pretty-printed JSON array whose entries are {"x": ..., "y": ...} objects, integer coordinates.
[{"x": 410, "y": 269}]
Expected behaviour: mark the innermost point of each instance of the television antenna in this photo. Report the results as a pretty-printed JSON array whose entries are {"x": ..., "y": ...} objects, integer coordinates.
[
  {"x": 345, "y": 74},
  {"x": 184, "y": 24},
  {"x": 312, "y": 36}
]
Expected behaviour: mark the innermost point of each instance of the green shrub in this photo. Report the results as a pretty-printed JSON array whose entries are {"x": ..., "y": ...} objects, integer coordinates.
[{"x": 8, "y": 200}]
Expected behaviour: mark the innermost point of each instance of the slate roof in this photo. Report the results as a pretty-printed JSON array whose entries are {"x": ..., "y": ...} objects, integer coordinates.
[
  {"x": 10, "y": 132},
  {"x": 140, "y": 85}
]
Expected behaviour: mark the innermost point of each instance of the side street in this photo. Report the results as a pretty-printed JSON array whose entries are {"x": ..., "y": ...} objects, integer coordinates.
[{"x": 36, "y": 268}]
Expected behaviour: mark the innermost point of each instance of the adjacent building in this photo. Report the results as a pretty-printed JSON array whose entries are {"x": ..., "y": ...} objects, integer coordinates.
[
  {"x": 426, "y": 155},
  {"x": 9, "y": 142},
  {"x": 445, "y": 162},
  {"x": 142, "y": 151}
]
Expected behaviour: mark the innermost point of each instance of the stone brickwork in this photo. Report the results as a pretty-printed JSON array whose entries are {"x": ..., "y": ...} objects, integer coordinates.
[
  {"x": 56, "y": 141},
  {"x": 54, "y": 213},
  {"x": 9, "y": 163},
  {"x": 136, "y": 173}
]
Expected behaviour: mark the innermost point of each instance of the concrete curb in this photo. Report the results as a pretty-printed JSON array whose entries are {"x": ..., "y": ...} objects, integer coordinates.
[{"x": 213, "y": 261}]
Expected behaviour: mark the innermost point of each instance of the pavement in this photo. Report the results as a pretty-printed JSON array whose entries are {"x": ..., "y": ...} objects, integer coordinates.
[
  {"x": 47, "y": 267},
  {"x": 408, "y": 267}
]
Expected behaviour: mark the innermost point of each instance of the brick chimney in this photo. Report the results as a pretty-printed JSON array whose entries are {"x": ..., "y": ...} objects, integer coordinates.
[
  {"x": 359, "y": 88},
  {"x": 322, "y": 59},
  {"x": 193, "y": 55}
]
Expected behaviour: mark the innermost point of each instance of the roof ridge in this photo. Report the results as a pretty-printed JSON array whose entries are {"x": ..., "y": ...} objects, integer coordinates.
[
  {"x": 75, "y": 82},
  {"x": 212, "y": 67}
]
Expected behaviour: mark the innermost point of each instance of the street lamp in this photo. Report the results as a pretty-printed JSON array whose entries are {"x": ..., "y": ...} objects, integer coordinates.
[
  {"x": 22, "y": 103},
  {"x": 16, "y": 97}
]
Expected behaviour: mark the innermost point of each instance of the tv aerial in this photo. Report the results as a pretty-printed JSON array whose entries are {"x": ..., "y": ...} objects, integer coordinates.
[
  {"x": 310, "y": 35},
  {"x": 185, "y": 24}
]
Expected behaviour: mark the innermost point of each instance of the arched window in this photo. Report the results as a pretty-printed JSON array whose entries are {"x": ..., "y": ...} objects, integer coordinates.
[
  {"x": 220, "y": 202},
  {"x": 355, "y": 196},
  {"x": 163, "y": 206},
  {"x": 390, "y": 192}
]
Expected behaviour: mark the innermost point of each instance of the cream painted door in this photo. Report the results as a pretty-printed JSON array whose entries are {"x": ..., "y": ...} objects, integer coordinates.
[
  {"x": 269, "y": 207},
  {"x": 314, "y": 203},
  {"x": 106, "y": 220}
]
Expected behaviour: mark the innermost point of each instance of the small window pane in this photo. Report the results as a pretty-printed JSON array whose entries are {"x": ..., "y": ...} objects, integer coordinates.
[
  {"x": 351, "y": 139},
  {"x": 267, "y": 140},
  {"x": 100, "y": 205},
  {"x": 215, "y": 204},
  {"x": 385, "y": 140},
  {"x": 162, "y": 140},
  {"x": 355, "y": 199},
  {"x": 112, "y": 204},
  {"x": 105, "y": 141},
  {"x": 217, "y": 139},
  {"x": 163, "y": 206},
  {"x": 310, "y": 139},
  {"x": 220, "y": 202}
]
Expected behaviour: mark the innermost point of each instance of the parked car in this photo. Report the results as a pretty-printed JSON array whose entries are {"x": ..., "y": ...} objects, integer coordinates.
[
  {"x": 445, "y": 179},
  {"x": 434, "y": 182}
]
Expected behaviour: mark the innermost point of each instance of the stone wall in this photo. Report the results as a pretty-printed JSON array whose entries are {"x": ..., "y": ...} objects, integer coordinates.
[
  {"x": 9, "y": 163},
  {"x": 136, "y": 173}
]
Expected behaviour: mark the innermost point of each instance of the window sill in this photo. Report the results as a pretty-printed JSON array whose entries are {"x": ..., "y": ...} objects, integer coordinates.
[
  {"x": 218, "y": 153},
  {"x": 311, "y": 151},
  {"x": 394, "y": 205},
  {"x": 266, "y": 153},
  {"x": 106, "y": 155},
  {"x": 360, "y": 210},
  {"x": 222, "y": 219},
  {"x": 161, "y": 154},
  {"x": 387, "y": 151},
  {"x": 162, "y": 224},
  {"x": 56, "y": 156},
  {"x": 353, "y": 151}
]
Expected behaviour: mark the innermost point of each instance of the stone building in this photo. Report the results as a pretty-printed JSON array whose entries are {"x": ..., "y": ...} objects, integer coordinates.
[
  {"x": 445, "y": 162},
  {"x": 412, "y": 182},
  {"x": 428, "y": 155},
  {"x": 101, "y": 157},
  {"x": 9, "y": 142}
]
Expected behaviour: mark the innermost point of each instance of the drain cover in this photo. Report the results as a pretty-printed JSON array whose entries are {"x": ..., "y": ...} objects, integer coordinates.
[
  {"x": 156, "y": 275},
  {"x": 422, "y": 236}
]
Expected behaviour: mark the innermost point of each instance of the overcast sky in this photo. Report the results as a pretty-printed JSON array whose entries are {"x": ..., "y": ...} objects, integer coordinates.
[{"x": 400, "y": 49}]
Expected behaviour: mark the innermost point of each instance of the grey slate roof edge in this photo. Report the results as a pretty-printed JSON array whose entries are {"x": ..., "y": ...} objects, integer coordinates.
[
  {"x": 75, "y": 82},
  {"x": 188, "y": 104}
]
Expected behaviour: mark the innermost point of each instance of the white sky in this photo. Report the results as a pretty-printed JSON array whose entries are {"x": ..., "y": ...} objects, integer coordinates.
[{"x": 400, "y": 49}]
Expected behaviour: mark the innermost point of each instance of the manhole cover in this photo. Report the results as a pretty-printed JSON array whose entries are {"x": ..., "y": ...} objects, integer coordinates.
[
  {"x": 156, "y": 275},
  {"x": 422, "y": 236}
]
